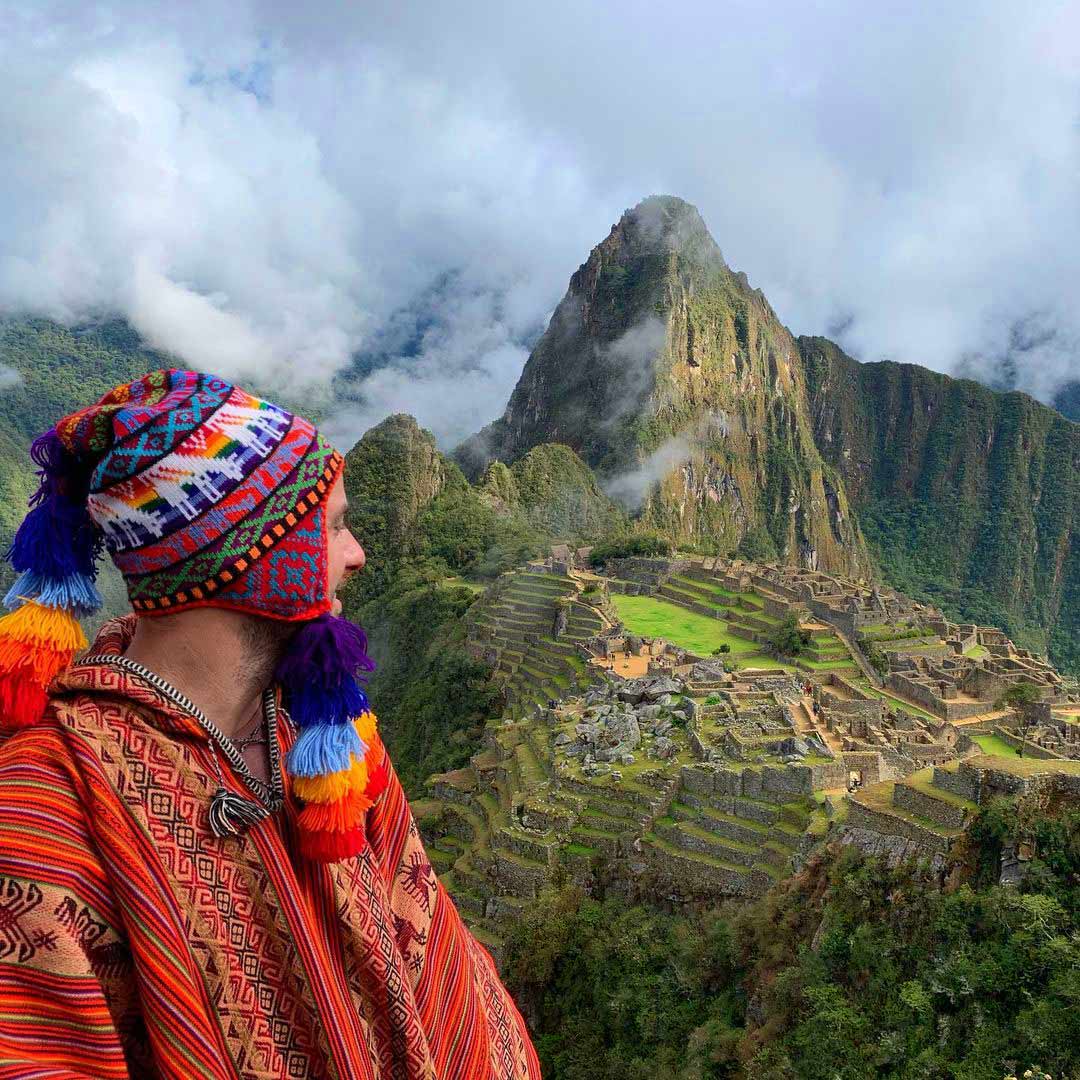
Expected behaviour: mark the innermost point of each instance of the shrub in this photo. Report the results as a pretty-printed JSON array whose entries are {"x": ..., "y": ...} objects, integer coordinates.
[
  {"x": 642, "y": 545},
  {"x": 789, "y": 638}
]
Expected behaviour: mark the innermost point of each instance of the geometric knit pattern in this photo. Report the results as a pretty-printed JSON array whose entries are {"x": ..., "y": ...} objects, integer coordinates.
[
  {"x": 200, "y": 490},
  {"x": 135, "y": 943}
]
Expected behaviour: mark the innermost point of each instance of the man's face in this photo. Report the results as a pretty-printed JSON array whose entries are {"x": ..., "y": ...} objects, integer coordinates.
[{"x": 346, "y": 556}]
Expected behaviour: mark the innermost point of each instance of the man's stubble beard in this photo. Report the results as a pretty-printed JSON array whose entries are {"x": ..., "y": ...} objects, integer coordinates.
[{"x": 264, "y": 641}]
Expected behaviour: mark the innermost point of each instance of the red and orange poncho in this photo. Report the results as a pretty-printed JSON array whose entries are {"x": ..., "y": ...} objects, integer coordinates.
[{"x": 134, "y": 943}]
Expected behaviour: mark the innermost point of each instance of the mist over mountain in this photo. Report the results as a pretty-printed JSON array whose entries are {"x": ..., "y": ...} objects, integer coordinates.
[
  {"x": 443, "y": 172},
  {"x": 1067, "y": 400}
]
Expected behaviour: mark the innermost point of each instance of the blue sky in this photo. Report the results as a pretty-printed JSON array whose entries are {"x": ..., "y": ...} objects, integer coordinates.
[{"x": 260, "y": 187}]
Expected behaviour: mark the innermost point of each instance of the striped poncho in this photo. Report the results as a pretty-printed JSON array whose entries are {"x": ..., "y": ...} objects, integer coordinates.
[{"x": 134, "y": 943}]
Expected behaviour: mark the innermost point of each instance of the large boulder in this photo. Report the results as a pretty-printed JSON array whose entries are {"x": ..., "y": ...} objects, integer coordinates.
[
  {"x": 665, "y": 748},
  {"x": 624, "y": 728},
  {"x": 588, "y": 733},
  {"x": 688, "y": 708},
  {"x": 661, "y": 685}
]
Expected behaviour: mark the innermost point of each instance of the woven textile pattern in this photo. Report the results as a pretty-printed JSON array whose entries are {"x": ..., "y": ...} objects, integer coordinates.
[
  {"x": 199, "y": 484},
  {"x": 133, "y": 943}
]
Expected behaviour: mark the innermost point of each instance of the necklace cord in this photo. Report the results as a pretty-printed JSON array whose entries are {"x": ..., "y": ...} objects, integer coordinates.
[{"x": 272, "y": 795}]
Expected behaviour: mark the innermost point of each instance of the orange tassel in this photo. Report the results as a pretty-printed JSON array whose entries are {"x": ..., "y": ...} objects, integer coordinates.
[
  {"x": 36, "y": 644},
  {"x": 332, "y": 786},
  {"x": 339, "y": 816}
]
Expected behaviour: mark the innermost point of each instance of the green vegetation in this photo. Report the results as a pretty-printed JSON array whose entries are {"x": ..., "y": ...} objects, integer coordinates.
[
  {"x": 647, "y": 545},
  {"x": 847, "y": 971},
  {"x": 917, "y": 449},
  {"x": 1023, "y": 697},
  {"x": 657, "y": 618},
  {"x": 994, "y": 744},
  {"x": 789, "y": 638}
]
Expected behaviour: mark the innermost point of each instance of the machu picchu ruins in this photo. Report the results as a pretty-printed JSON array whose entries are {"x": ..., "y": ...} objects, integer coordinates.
[{"x": 651, "y": 732}]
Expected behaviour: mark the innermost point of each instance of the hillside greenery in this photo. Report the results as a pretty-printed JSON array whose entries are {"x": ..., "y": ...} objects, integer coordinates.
[
  {"x": 432, "y": 541},
  {"x": 968, "y": 498},
  {"x": 848, "y": 970}
]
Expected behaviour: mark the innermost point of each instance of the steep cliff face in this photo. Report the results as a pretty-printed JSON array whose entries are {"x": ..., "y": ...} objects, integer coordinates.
[
  {"x": 391, "y": 476},
  {"x": 1067, "y": 400},
  {"x": 968, "y": 496},
  {"x": 675, "y": 380}
]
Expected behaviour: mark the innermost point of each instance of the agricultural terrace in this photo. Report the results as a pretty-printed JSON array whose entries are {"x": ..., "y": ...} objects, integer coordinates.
[
  {"x": 699, "y": 634},
  {"x": 994, "y": 744}
]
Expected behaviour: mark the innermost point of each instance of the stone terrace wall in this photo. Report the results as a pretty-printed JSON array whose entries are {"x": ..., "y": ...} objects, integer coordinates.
[
  {"x": 924, "y": 696},
  {"x": 650, "y": 572}
]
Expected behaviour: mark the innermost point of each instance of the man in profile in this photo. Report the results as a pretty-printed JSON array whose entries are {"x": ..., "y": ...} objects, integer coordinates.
[{"x": 207, "y": 865}]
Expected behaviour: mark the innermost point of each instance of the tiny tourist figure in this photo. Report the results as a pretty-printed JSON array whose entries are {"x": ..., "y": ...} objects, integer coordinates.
[{"x": 208, "y": 867}]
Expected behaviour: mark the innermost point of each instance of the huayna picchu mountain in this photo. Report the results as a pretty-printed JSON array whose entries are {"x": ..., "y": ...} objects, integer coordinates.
[
  {"x": 659, "y": 353},
  {"x": 677, "y": 382}
]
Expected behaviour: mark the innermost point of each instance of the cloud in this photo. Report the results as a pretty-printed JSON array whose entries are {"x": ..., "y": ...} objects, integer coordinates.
[
  {"x": 631, "y": 358},
  {"x": 258, "y": 189},
  {"x": 631, "y": 488}
]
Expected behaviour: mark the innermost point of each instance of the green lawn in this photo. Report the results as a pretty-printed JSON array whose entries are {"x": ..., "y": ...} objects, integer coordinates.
[
  {"x": 994, "y": 744},
  {"x": 657, "y": 618}
]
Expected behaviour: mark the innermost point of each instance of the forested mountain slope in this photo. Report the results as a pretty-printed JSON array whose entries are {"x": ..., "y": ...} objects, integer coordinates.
[{"x": 969, "y": 497}]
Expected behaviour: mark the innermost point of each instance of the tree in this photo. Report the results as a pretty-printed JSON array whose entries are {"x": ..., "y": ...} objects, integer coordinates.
[
  {"x": 789, "y": 638},
  {"x": 1023, "y": 697},
  {"x": 878, "y": 660}
]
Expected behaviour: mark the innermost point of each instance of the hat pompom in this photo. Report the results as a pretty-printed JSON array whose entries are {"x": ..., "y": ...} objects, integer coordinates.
[
  {"x": 55, "y": 551},
  {"x": 337, "y": 762}
]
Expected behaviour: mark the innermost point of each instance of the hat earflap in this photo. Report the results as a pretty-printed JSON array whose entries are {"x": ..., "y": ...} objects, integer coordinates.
[
  {"x": 337, "y": 764},
  {"x": 55, "y": 552}
]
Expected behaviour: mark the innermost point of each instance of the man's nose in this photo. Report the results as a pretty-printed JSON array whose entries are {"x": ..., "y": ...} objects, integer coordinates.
[{"x": 358, "y": 557}]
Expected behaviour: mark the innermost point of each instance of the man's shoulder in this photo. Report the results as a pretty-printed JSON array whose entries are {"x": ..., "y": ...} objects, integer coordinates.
[
  {"x": 45, "y": 752},
  {"x": 36, "y": 759}
]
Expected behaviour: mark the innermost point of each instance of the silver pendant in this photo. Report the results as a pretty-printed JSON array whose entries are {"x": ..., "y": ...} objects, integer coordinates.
[{"x": 231, "y": 814}]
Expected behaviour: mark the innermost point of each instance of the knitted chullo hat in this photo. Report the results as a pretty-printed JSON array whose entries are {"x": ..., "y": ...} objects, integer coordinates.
[{"x": 204, "y": 496}]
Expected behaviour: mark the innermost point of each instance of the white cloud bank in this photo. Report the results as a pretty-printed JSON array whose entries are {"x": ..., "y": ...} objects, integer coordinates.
[{"x": 260, "y": 188}]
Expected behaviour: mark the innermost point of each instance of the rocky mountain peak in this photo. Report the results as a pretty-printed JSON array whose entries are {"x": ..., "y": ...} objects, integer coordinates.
[
  {"x": 675, "y": 380},
  {"x": 662, "y": 224}
]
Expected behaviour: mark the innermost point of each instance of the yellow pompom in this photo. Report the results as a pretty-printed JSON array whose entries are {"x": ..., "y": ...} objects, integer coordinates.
[
  {"x": 332, "y": 786},
  {"x": 365, "y": 726},
  {"x": 43, "y": 627}
]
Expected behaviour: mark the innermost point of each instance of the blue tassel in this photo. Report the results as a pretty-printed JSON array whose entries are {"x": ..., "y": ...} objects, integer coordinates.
[
  {"x": 75, "y": 593},
  {"x": 311, "y": 704},
  {"x": 325, "y": 748},
  {"x": 55, "y": 540}
]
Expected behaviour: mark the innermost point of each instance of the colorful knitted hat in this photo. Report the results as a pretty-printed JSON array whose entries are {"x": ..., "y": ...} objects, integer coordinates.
[{"x": 204, "y": 496}]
